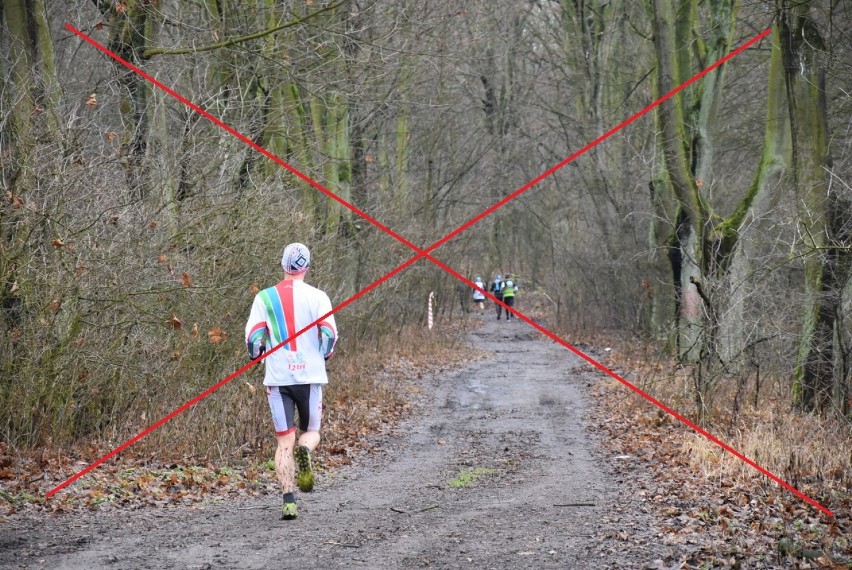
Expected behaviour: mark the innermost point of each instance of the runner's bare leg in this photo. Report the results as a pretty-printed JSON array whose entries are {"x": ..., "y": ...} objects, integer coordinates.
[
  {"x": 310, "y": 439},
  {"x": 285, "y": 465}
]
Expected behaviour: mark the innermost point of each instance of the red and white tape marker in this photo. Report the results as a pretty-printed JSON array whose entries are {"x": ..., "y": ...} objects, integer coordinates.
[{"x": 429, "y": 317}]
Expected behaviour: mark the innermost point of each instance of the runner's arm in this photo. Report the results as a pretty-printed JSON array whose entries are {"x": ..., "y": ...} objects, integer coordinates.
[
  {"x": 326, "y": 330},
  {"x": 256, "y": 329}
]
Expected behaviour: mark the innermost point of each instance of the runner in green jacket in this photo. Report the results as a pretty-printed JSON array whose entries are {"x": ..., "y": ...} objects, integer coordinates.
[{"x": 509, "y": 291}]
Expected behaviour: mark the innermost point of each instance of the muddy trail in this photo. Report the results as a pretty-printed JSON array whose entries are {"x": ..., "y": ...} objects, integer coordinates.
[{"x": 496, "y": 470}]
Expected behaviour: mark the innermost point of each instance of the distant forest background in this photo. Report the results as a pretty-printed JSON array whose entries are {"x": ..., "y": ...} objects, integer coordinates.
[{"x": 134, "y": 232}]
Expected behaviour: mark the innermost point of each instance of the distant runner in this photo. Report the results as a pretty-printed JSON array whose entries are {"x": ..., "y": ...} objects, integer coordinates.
[
  {"x": 496, "y": 289},
  {"x": 509, "y": 291},
  {"x": 295, "y": 373},
  {"x": 479, "y": 296}
]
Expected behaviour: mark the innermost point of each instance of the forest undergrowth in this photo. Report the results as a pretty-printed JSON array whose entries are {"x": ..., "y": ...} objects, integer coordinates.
[
  {"x": 370, "y": 392},
  {"x": 726, "y": 512}
]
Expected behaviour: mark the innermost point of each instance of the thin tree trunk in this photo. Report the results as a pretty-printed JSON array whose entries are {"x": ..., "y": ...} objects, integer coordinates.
[{"x": 129, "y": 33}]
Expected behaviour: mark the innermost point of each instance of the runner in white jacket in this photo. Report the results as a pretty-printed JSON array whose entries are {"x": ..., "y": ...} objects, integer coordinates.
[
  {"x": 479, "y": 296},
  {"x": 295, "y": 373}
]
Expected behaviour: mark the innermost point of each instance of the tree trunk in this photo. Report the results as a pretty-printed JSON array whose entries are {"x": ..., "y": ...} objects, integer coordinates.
[
  {"x": 32, "y": 100},
  {"x": 826, "y": 208},
  {"x": 672, "y": 32},
  {"x": 338, "y": 168},
  {"x": 735, "y": 335},
  {"x": 28, "y": 105},
  {"x": 703, "y": 244},
  {"x": 129, "y": 33}
]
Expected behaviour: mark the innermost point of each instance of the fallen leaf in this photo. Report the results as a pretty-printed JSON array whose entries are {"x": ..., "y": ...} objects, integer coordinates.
[
  {"x": 152, "y": 225},
  {"x": 254, "y": 289},
  {"x": 55, "y": 305},
  {"x": 195, "y": 330},
  {"x": 57, "y": 243},
  {"x": 163, "y": 258},
  {"x": 216, "y": 335},
  {"x": 186, "y": 280},
  {"x": 251, "y": 388},
  {"x": 92, "y": 101},
  {"x": 174, "y": 322}
]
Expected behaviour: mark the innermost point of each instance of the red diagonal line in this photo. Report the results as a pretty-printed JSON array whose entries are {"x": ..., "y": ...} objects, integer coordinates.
[
  {"x": 424, "y": 253},
  {"x": 645, "y": 395},
  {"x": 600, "y": 139},
  {"x": 229, "y": 129},
  {"x": 224, "y": 381}
]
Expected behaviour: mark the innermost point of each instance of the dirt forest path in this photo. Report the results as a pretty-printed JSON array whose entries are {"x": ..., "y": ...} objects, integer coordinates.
[{"x": 532, "y": 490}]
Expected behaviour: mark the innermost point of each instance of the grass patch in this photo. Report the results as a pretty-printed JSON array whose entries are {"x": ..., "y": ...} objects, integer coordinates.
[
  {"x": 470, "y": 477},
  {"x": 20, "y": 498}
]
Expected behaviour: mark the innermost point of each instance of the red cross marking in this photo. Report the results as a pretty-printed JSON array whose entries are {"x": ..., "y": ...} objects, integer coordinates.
[{"x": 425, "y": 253}]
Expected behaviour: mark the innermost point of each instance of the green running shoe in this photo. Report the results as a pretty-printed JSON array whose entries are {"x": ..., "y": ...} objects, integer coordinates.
[
  {"x": 288, "y": 511},
  {"x": 305, "y": 476}
]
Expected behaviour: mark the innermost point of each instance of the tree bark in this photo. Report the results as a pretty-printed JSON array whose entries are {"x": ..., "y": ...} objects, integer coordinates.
[
  {"x": 704, "y": 244},
  {"x": 129, "y": 32},
  {"x": 826, "y": 208},
  {"x": 774, "y": 163},
  {"x": 33, "y": 97},
  {"x": 672, "y": 30},
  {"x": 28, "y": 104}
]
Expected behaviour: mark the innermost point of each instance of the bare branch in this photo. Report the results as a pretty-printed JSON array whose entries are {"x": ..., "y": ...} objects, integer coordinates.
[{"x": 149, "y": 53}]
